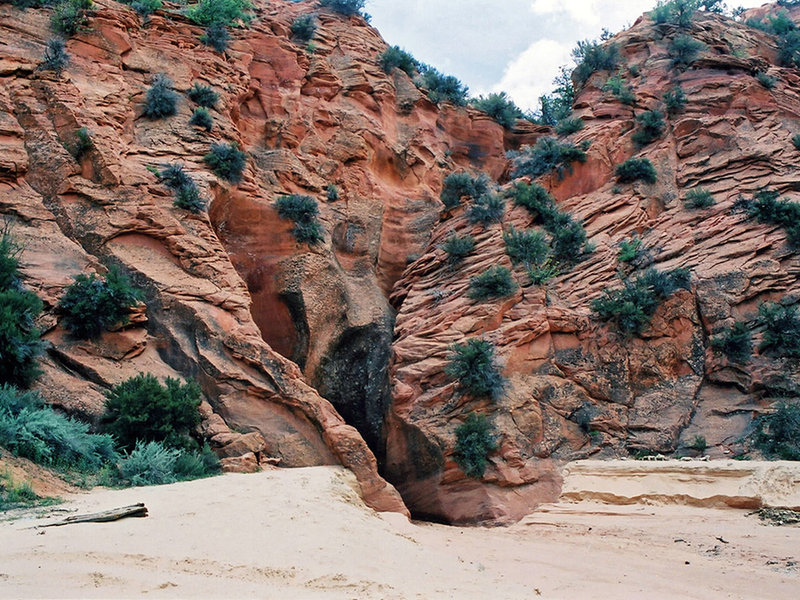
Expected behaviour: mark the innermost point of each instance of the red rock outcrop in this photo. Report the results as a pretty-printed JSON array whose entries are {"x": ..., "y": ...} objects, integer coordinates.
[{"x": 576, "y": 387}]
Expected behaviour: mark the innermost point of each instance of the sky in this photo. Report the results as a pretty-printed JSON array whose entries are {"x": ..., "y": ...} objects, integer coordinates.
[{"x": 516, "y": 46}]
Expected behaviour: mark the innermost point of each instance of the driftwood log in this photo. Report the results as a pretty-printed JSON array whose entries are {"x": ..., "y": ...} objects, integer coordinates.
[{"x": 115, "y": 514}]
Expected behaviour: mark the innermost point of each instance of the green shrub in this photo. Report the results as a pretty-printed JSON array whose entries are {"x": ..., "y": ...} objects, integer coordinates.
[
  {"x": 203, "y": 95},
  {"x": 70, "y": 16},
  {"x": 766, "y": 80},
  {"x": 15, "y": 495},
  {"x": 636, "y": 169},
  {"x": 500, "y": 107},
  {"x": 457, "y": 186},
  {"x": 303, "y": 28},
  {"x": 344, "y": 7},
  {"x": 475, "y": 369},
  {"x": 699, "y": 443},
  {"x": 442, "y": 88},
  {"x": 161, "y": 100},
  {"x": 557, "y": 106},
  {"x": 536, "y": 200},
  {"x": 789, "y": 49},
  {"x": 394, "y": 57},
  {"x": 188, "y": 198},
  {"x": 82, "y": 145},
  {"x": 698, "y": 198},
  {"x": 630, "y": 250},
  {"x": 569, "y": 126},
  {"x": 735, "y": 343},
  {"x": 683, "y": 50},
  {"x": 303, "y": 210},
  {"x": 217, "y": 37},
  {"x": 621, "y": 90},
  {"x": 145, "y": 8},
  {"x": 781, "y": 23},
  {"x": 796, "y": 141},
  {"x": 32, "y": 430},
  {"x": 197, "y": 464},
  {"x": 591, "y": 57},
  {"x": 332, "y": 193},
  {"x": 631, "y": 307},
  {"x": 766, "y": 207},
  {"x": 149, "y": 463},
  {"x": 141, "y": 409},
  {"x": 547, "y": 155},
  {"x": 778, "y": 434},
  {"x": 674, "y": 12},
  {"x": 458, "y": 247},
  {"x": 651, "y": 127},
  {"x": 226, "y": 161},
  {"x": 781, "y": 329},
  {"x": 91, "y": 304},
  {"x": 475, "y": 441},
  {"x": 528, "y": 248},
  {"x": 220, "y": 12},
  {"x": 55, "y": 56},
  {"x": 674, "y": 100},
  {"x": 486, "y": 209},
  {"x": 494, "y": 283},
  {"x": 174, "y": 177},
  {"x": 202, "y": 118}
]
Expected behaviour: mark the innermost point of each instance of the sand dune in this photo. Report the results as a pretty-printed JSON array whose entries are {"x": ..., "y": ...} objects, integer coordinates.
[{"x": 304, "y": 533}]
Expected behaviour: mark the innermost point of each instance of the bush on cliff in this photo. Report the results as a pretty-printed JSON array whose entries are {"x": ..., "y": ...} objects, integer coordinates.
[
  {"x": 683, "y": 50},
  {"x": 781, "y": 329},
  {"x": 674, "y": 100},
  {"x": 141, "y": 409},
  {"x": 394, "y": 57},
  {"x": 547, "y": 155},
  {"x": 303, "y": 28},
  {"x": 217, "y": 37},
  {"x": 528, "y": 248},
  {"x": 475, "y": 441},
  {"x": 226, "y": 161},
  {"x": 55, "y": 56},
  {"x": 161, "y": 100},
  {"x": 202, "y": 118},
  {"x": 457, "y": 186},
  {"x": 92, "y": 304},
  {"x": 767, "y": 207},
  {"x": 486, "y": 209},
  {"x": 220, "y": 12},
  {"x": 500, "y": 107},
  {"x": 494, "y": 283},
  {"x": 620, "y": 89},
  {"x": 778, "y": 434},
  {"x": 442, "y": 88},
  {"x": 592, "y": 57},
  {"x": 303, "y": 210},
  {"x": 70, "y": 16},
  {"x": 636, "y": 169},
  {"x": 698, "y": 198},
  {"x": 475, "y": 369},
  {"x": 203, "y": 95},
  {"x": 735, "y": 343},
  {"x": 344, "y": 7},
  {"x": 458, "y": 248},
  {"x": 651, "y": 127},
  {"x": 19, "y": 338}
]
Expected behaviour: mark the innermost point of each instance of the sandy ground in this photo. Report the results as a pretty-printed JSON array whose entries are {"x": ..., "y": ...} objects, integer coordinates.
[{"x": 304, "y": 533}]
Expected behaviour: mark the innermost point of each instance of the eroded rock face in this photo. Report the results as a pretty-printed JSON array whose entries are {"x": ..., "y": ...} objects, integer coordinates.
[
  {"x": 578, "y": 388},
  {"x": 75, "y": 217}
]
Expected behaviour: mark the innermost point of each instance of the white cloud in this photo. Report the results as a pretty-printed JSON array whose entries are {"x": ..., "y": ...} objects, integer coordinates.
[{"x": 531, "y": 74}]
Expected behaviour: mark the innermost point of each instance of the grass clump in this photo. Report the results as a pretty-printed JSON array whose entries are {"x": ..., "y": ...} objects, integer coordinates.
[
  {"x": 141, "y": 409},
  {"x": 442, "y": 88},
  {"x": 591, "y": 57},
  {"x": 161, "y": 100},
  {"x": 674, "y": 100},
  {"x": 220, "y": 12},
  {"x": 766, "y": 80},
  {"x": 528, "y": 248},
  {"x": 303, "y": 210},
  {"x": 500, "y": 108},
  {"x": 630, "y": 250},
  {"x": 203, "y": 95},
  {"x": 332, "y": 193},
  {"x": 474, "y": 367},
  {"x": 394, "y": 57},
  {"x": 15, "y": 495},
  {"x": 781, "y": 329},
  {"x": 185, "y": 191},
  {"x": 778, "y": 434},
  {"x": 683, "y": 49},
  {"x": 458, "y": 186},
  {"x": 20, "y": 343},
  {"x": 486, "y": 209},
  {"x": 217, "y": 37},
  {"x": 458, "y": 247},
  {"x": 621, "y": 90},
  {"x": 736, "y": 343},
  {"x": 30, "y": 429},
  {"x": 698, "y": 198},
  {"x": 303, "y": 28},
  {"x": 344, "y": 7},
  {"x": 202, "y": 118},
  {"x": 766, "y": 207},
  {"x": 82, "y": 143},
  {"x": 568, "y": 126},
  {"x": 546, "y": 156},
  {"x": 55, "y": 56},
  {"x": 631, "y": 307},
  {"x": 651, "y": 127},
  {"x": 475, "y": 441},
  {"x": 636, "y": 169},
  {"x": 494, "y": 283},
  {"x": 226, "y": 161},
  {"x": 93, "y": 304}
]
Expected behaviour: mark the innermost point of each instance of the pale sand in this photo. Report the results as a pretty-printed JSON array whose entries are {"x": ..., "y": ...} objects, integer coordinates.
[{"x": 304, "y": 533}]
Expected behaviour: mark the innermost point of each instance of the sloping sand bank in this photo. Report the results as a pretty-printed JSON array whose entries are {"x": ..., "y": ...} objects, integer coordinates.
[{"x": 304, "y": 533}]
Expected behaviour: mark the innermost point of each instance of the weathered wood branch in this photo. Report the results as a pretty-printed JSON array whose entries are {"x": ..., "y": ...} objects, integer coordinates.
[{"x": 115, "y": 514}]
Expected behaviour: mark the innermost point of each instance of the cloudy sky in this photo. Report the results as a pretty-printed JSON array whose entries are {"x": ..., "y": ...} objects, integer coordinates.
[{"x": 515, "y": 46}]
